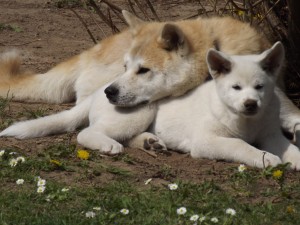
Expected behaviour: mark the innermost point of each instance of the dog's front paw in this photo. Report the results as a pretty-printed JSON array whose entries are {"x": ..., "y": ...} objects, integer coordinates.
[
  {"x": 267, "y": 159},
  {"x": 292, "y": 156},
  {"x": 148, "y": 141},
  {"x": 111, "y": 148}
]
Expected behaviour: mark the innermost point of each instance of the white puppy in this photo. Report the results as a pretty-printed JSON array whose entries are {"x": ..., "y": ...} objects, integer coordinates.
[{"x": 234, "y": 117}]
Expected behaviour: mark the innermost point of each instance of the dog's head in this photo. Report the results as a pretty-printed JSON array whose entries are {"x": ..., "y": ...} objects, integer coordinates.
[
  {"x": 245, "y": 84},
  {"x": 158, "y": 64}
]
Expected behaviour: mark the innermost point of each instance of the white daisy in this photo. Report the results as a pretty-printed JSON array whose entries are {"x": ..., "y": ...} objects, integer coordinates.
[
  {"x": 90, "y": 214},
  {"x": 214, "y": 220},
  {"x": 194, "y": 218},
  {"x": 181, "y": 211},
  {"x": 2, "y": 152},
  {"x": 172, "y": 187},
  {"x": 40, "y": 189},
  {"x": 41, "y": 182},
  {"x": 230, "y": 211},
  {"x": 124, "y": 211},
  {"x": 20, "y": 181},
  {"x": 242, "y": 168},
  {"x": 13, "y": 162},
  {"x": 65, "y": 190}
]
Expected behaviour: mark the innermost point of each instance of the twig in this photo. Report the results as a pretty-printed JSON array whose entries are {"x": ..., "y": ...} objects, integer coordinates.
[
  {"x": 111, "y": 5},
  {"x": 263, "y": 158},
  {"x": 84, "y": 24},
  {"x": 142, "y": 9},
  {"x": 152, "y": 10},
  {"x": 149, "y": 153},
  {"x": 131, "y": 7},
  {"x": 102, "y": 16},
  {"x": 268, "y": 12}
]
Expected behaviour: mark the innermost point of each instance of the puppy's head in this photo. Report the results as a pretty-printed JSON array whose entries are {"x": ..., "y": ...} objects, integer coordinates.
[{"x": 245, "y": 84}]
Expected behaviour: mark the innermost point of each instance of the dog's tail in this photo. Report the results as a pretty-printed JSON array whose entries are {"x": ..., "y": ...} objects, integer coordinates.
[
  {"x": 65, "y": 121},
  {"x": 56, "y": 86}
]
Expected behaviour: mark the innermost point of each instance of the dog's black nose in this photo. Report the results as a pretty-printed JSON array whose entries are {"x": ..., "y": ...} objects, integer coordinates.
[
  {"x": 250, "y": 105},
  {"x": 111, "y": 91}
]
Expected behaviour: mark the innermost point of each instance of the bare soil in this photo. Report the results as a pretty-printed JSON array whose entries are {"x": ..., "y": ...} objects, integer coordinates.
[{"x": 49, "y": 35}]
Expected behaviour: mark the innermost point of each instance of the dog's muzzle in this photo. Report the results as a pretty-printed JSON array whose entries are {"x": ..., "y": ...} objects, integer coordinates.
[
  {"x": 251, "y": 107},
  {"x": 112, "y": 93}
]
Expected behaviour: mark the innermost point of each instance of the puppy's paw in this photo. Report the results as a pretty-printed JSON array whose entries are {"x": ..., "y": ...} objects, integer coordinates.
[
  {"x": 267, "y": 159},
  {"x": 293, "y": 157},
  {"x": 148, "y": 141},
  {"x": 111, "y": 148}
]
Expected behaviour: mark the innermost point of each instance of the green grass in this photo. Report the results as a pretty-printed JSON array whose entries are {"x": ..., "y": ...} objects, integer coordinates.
[
  {"x": 258, "y": 196},
  {"x": 11, "y": 27},
  {"x": 150, "y": 205}
]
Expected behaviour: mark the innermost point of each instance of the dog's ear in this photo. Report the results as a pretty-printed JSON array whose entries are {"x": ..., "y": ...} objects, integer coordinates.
[
  {"x": 172, "y": 38},
  {"x": 131, "y": 19},
  {"x": 218, "y": 63},
  {"x": 272, "y": 59}
]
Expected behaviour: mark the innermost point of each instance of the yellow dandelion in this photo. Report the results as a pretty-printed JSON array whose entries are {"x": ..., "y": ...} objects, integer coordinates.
[
  {"x": 55, "y": 162},
  {"x": 277, "y": 174},
  {"x": 83, "y": 154},
  {"x": 290, "y": 209}
]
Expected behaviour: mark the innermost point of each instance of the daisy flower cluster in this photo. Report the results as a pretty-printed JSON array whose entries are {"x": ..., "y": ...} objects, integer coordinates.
[
  {"x": 41, "y": 185},
  {"x": 200, "y": 218},
  {"x": 92, "y": 214},
  {"x": 14, "y": 161}
]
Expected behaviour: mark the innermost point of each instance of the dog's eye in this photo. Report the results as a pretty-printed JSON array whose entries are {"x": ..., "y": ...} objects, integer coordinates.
[
  {"x": 125, "y": 67},
  {"x": 143, "y": 70},
  {"x": 236, "y": 87},
  {"x": 259, "y": 86}
]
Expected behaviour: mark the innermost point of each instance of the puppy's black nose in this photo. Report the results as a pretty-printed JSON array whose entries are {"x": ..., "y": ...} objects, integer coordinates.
[
  {"x": 250, "y": 105},
  {"x": 111, "y": 91}
]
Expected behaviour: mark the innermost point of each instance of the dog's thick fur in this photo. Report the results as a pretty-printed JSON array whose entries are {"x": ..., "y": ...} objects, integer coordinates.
[{"x": 161, "y": 60}]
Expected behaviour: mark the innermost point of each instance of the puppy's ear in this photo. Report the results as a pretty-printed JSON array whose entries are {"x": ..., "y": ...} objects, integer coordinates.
[
  {"x": 131, "y": 19},
  {"x": 172, "y": 38},
  {"x": 218, "y": 63},
  {"x": 272, "y": 59}
]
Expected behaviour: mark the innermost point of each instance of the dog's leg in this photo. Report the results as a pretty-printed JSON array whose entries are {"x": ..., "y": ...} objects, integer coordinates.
[
  {"x": 279, "y": 145},
  {"x": 111, "y": 125},
  {"x": 93, "y": 138},
  {"x": 289, "y": 116},
  {"x": 232, "y": 149},
  {"x": 147, "y": 141}
]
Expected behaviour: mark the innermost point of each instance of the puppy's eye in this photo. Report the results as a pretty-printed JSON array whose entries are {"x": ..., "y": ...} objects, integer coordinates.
[
  {"x": 237, "y": 87},
  {"x": 259, "y": 86},
  {"x": 143, "y": 70},
  {"x": 125, "y": 67}
]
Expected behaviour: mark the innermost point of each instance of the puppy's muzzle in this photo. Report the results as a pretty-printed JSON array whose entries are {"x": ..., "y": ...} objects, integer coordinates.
[
  {"x": 112, "y": 93},
  {"x": 251, "y": 107}
]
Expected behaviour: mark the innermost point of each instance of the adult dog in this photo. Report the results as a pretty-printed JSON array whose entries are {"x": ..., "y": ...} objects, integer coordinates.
[{"x": 161, "y": 60}]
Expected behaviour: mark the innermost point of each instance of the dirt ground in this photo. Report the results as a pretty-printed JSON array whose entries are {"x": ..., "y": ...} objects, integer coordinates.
[{"x": 48, "y": 35}]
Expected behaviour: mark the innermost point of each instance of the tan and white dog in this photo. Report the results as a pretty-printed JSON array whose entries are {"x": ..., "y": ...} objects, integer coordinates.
[{"x": 161, "y": 60}]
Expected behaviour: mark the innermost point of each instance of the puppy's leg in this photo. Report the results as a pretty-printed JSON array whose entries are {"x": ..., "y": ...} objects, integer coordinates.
[
  {"x": 279, "y": 145},
  {"x": 289, "y": 116},
  {"x": 93, "y": 138},
  {"x": 232, "y": 149},
  {"x": 147, "y": 141}
]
